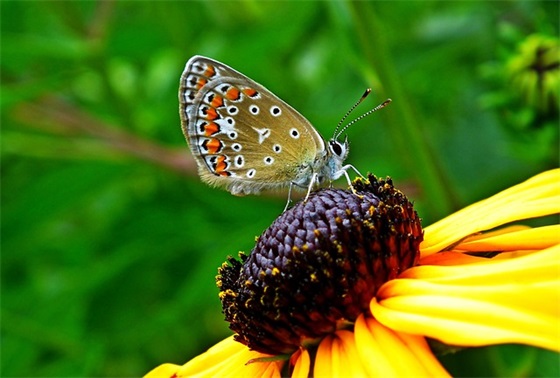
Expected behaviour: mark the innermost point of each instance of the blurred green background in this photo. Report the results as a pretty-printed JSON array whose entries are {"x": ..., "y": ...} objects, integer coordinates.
[{"x": 110, "y": 242}]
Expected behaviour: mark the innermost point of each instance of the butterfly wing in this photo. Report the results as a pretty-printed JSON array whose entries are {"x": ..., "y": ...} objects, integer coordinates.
[{"x": 242, "y": 136}]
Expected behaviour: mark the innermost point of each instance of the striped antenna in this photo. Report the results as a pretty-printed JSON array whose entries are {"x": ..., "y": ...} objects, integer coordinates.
[
  {"x": 380, "y": 106},
  {"x": 366, "y": 93}
]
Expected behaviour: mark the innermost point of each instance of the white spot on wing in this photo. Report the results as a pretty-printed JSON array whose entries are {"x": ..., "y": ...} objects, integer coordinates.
[
  {"x": 275, "y": 111},
  {"x": 263, "y": 134},
  {"x": 239, "y": 161},
  {"x": 254, "y": 109},
  {"x": 294, "y": 133},
  {"x": 226, "y": 124}
]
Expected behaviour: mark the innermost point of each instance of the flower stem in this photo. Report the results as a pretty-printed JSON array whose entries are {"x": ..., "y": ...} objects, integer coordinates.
[{"x": 407, "y": 133}]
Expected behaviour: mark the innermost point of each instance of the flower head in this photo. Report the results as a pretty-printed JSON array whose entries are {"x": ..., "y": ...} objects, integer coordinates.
[
  {"x": 343, "y": 285},
  {"x": 534, "y": 72},
  {"x": 319, "y": 265}
]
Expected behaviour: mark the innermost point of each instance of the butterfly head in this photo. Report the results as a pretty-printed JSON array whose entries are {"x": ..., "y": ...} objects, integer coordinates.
[
  {"x": 337, "y": 149},
  {"x": 336, "y": 153}
]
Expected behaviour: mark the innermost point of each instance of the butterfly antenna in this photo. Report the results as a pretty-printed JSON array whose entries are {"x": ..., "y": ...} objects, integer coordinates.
[
  {"x": 366, "y": 93},
  {"x": 380, "y": 106}
]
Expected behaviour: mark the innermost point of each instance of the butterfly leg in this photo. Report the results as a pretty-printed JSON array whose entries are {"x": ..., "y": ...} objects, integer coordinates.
[
  {"x": 314, "y": 179},
  {"x": 345, "y": 173},
  {"x": 289, "y": 197},
  {"x": 348, "y": 166}
]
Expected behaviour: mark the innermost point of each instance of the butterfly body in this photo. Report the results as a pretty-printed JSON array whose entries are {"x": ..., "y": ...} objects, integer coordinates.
[{"x": 246, "y": 139}]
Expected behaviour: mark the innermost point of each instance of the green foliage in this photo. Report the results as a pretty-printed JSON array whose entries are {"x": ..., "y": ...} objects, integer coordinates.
[{"x": 110, "y": 243}]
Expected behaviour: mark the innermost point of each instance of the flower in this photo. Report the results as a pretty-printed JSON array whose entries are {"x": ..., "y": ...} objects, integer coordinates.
[
  {"x": 464, "y": 286},
  {"x": 534, "y": 72}
]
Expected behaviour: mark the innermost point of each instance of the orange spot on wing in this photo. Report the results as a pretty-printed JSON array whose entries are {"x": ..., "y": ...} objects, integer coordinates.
[
  {"x": 201, "y": 83},
  {"x": 210, "y": 71},
  {"x": 221, "y": 166},
  {"x": 217, "y": 101},
  {"x": 213, "y": 146},
  {"x": 250, "y": 92},
  {"x": 211, "y": 114},
  {"x": 232, "y": 93},
  {"x": 211, "y": 129}
]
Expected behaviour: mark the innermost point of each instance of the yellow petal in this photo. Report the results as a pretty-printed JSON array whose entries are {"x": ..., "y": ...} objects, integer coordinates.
[
  {"x": 538, "y": 196},
  {"x": 449, "y": 258},
  {"x": 337, "y": 356},
  {"x": 228, "y": 358},
  {"x": 498, "y": 301},
  {"x": 163, "y": 371},
  {"x": 351, "y": 362},
  {"x": 515, "y": 239},
  {"x": 302, "y": 364},
  {"x": 526, "y": 269},
  {"x": 371, "y": 351},
  {"x": 385, "y": 353},
  {"x": 324, "y": 358},
  {"x": 421, "y": 350}
]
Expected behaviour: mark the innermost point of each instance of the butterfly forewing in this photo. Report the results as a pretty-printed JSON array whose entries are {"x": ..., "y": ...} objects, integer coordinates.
[{"x": 242, "y": 136}]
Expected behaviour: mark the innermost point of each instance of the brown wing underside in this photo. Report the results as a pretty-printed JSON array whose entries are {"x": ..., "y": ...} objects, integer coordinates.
[{"x": 239, "y": 132}]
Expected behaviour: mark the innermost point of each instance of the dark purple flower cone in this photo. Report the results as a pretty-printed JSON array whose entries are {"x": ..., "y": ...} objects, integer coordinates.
[{"x": 319, "y": 265}]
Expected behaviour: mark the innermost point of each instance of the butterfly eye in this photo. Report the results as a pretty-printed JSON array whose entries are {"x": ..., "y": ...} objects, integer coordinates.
[{"x": 336, "y": 148}]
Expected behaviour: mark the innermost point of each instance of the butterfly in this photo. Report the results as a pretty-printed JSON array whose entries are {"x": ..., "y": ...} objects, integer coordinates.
[{"x": 246, "y": 139}]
